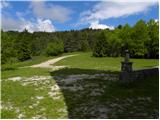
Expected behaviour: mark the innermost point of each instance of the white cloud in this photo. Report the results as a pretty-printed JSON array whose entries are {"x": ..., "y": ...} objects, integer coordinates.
[
  {"x": 96, "y": 25},
  {"x": 20, "y": 24},
  {"x": 156, "y": 20},
  {"x": 19, "y": 14},
  {"x": 8, "y": 23},
  {"x": 114, "y": 9},
  {"x": 33, "y": 24},
  {"x": 4, "y": 4},
  {"x": 53, "y": 12},
  {"x": 45, "y": 25},
  {"x": 40, "y": 25}
]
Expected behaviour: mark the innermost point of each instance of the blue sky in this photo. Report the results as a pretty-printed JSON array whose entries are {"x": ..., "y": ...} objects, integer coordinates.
[{"x": 66, "y": 15}]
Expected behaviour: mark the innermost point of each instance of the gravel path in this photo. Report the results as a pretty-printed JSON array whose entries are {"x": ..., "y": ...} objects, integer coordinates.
[{"x": 49, "y": 63}]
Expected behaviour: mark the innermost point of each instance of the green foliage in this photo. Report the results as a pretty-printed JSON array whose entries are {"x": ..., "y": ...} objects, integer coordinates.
[
  {"x": 72, "y": 41},
  {"x": 84, "y": 46},
  {"x": 108, "y": 44},
  {"x": 34, "y": 60},
  {"x": 22, "y": 46},
  {"x": 125, "y": 36},
  {"x": 6, "y": 114},
  {"x": 114, "y": 44},
  {"x": 100, "y": 48},
  {"x": 87, "y": 61},
  {"x": 139, "y": 36},
  {"x": 142, "y": 41},
  {"x": 55, "y": 48},
  {"x": 84, "y": 43},
  {"x": 152, "y": 44},
  {"x": 23, "y": 53},
  {"x": 8, "y": 53}
]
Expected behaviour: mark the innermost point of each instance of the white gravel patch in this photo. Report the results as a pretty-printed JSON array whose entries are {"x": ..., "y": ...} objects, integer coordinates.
[
  {"x": 37, "y": 78},
  {"x": 55, "y": 92},
  {"x": 34, "y": 80},
  {"x": 29, "y": 79},
  {"x": 52, "y": 94},
  {"x": 37, "y": 117},
  {"x": 7, "y": 106},
  {"x": 15, "y": 78},
  {"x": 31, "y": 107},
  {"x": 10, "y": 107},
  {"x": 62, "y": 110},
  {"x": 57, "y": 97},
  {"x": 39, "y": 97},
  {"x": 21, "y": 115},
  {"x": 55, "y": 88}
]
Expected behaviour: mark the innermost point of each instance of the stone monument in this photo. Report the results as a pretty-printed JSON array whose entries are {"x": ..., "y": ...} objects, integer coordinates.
[
  {"x": 128, "y": 75},
  {"x": 126, "y": 69},
  {"x": 126, "y": 65}
]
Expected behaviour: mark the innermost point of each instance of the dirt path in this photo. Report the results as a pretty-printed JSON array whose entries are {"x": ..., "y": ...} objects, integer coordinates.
[{"x": 49, "y": 63}]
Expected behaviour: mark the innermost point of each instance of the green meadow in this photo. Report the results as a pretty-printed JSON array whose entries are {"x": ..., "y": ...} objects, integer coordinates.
[
  {"x": 87, "y": 87},
  {"x": 76, "y": 60},
  {"x": 87, "y": 61}
]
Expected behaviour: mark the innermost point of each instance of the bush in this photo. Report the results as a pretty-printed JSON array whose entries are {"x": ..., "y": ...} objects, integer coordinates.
[
  {"x": 100, "y": 46},
  {"x": 54, "y": 48},
  {"x": 84, "y": 46},
  {"x": 23, "y": 53}
]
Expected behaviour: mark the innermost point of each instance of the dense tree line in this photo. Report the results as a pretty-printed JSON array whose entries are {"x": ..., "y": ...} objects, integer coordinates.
[
  {"x": 141, "y": 40},
  {"x": 21, "y": 46}
]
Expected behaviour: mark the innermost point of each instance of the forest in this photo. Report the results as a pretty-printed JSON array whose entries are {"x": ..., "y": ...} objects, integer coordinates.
[{"x": 142, "y": 41}]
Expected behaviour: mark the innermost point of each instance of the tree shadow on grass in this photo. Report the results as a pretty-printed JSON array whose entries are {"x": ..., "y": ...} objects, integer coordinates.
[{"x": 96, "y": 94}]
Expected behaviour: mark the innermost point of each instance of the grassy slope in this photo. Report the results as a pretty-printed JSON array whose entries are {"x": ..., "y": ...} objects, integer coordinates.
[
  {"x": 34, "y": 60},
  {"x": 27, "y": 72},
  {"x": 86, "y": 61},
  {"x": 20, "y": 96},
  {"x": 82, "y": 61},
  {"x": 12, "y": 70}
]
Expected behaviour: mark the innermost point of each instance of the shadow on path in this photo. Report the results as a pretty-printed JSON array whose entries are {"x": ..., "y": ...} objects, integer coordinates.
[{"x": 97, "y": 94}]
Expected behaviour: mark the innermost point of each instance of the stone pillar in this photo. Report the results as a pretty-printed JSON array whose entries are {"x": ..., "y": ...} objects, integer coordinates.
[
  {"x": 126, "y": 65},
  {"x": 126, "y": 58},
  {"x": 126, "y": 69}
]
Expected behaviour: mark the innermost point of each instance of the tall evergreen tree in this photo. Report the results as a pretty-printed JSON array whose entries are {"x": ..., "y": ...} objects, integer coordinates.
[
  {"x": 100, "y": 47},
  {"x": 22, "y": 46}
]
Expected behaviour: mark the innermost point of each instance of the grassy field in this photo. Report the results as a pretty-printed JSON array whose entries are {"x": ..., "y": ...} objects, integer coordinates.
[
  {"x": 88, "y": 88},
  {"x": 86, "y": 61},
  {"x": 16, "y": 69},
  {"x": 34, "y": 60}
]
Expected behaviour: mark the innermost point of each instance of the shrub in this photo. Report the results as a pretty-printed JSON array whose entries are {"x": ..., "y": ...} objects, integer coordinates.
[
  {"x": 54, "y": 48},
  {"x": 100, "y": 46},
  {"x": 23, "y": 53}
]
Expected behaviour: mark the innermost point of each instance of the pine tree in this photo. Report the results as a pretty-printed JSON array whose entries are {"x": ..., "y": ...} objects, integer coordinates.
[{"x": 100, "y": 47}]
